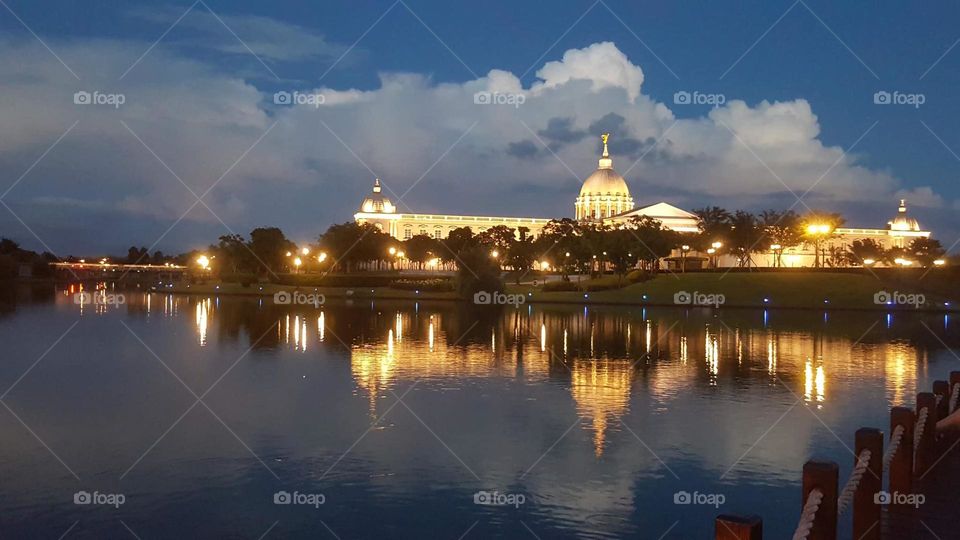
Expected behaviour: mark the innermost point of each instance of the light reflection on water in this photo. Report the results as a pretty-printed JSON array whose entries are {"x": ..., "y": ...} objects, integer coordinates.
[{"x": 598, "y": 415}]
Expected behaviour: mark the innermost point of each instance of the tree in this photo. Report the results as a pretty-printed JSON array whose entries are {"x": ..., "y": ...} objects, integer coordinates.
[
  {"x": 137, "y": 255},
  {"x": 458, "y": 241},
  {"x": 520, "y": 256},
  {"x": 865, "y": 250},
  {"x": 562, "y": 238},
  {"x": 620, "y": 247},
  {"x": 420, "y": 248},
  {"x": 745, "y": 236},
  {"x": 478, "y": 272},
  {"x": 715, "y": 224},
  {"x": 781, "y": 228},
  {"x": 269, "y": 247},
  {"x": 233, "y": 254},
  {"x": 926, "y": 250},
  {"x": 653, "y": 241},
  {"x": 8, "y": 246},
  {"x": 498, "y": 237}
]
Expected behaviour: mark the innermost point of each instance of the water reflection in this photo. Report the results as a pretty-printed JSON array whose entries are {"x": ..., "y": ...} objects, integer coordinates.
[{"x": 568, "y": 389}]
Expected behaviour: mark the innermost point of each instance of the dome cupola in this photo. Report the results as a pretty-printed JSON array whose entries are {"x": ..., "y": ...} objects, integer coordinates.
[
  {"x": 903, "y": 222},
  {"x": 604, "y": 193},
  {"x": 377, "y": 202}
]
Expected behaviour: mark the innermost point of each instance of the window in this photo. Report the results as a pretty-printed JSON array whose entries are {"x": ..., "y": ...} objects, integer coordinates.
[
  {"x": 438, "y": 232},
  {"x": 407, "y": 233}
]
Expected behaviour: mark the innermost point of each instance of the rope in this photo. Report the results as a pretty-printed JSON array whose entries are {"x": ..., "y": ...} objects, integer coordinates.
[
  {"x": 918, "y": 432},
  {"x": 953, "y": 396},
  {"x": 808, "y": 514},
  {"x": 894, "y": 446},
  {"x": 846, "y": 496}
]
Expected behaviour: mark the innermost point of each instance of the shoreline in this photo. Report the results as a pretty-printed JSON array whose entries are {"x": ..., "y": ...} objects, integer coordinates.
[{"x": 615, "y": 297}]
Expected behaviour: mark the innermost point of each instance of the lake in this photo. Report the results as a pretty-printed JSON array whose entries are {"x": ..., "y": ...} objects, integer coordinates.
[{"x": 203, "y": 417}]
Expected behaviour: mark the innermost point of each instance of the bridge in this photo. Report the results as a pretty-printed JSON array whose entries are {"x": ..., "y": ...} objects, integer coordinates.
[{"x": 105, "y": 271}]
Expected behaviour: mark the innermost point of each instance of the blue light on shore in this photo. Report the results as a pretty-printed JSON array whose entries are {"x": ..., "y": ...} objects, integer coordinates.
[
  {"x": 585, "y": 295},
  {"x": 644, "y": 297},
  {"x": 766, "y": 300}
]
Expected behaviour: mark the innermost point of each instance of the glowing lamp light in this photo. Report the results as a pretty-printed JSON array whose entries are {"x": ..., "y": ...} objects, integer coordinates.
[
  {"x": 868, "y": 261},
  {"x": 716, "y": 245},
  {"x": 776, "y": 247},
  {"x": 321, "y": 257},
  {"x": 297, "y": 262},
  {"x": 711, "y": 251},
  {"x": 494, "y": 254},
  {"x": 305, "y": 251},
  {"x": 204, "y": 262},
  {"x": 939, "y": 262},
  {"x": 685, "y": 247},
  {"x": 400, "y": 254},
  {"x": 392, "y": 250},
  {"x": 289, "y": 254}
]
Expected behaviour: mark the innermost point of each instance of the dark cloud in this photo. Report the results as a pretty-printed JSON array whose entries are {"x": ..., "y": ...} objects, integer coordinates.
[{"x": 523, "y": 149}]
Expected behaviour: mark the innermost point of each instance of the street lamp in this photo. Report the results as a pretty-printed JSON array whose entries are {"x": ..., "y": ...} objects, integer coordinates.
[
  {"x": 296, "y": 263},
  {"x": 818, "y": 231},
  {"x": 322, "y": 257},
  {"x": 305, "y": 251},
  {"x": 775, "y": 248},
  {"x": 683, "y": 257},
  {"x": 494, "y": 254},
  {"x": 204, "y": 262}
]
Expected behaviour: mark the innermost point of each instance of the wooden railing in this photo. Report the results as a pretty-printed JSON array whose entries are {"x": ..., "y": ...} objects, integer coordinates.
[{"x": 914, "y": 447}]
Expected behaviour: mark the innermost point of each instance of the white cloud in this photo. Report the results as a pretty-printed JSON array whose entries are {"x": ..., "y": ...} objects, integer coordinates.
[
  {"x": 601, "y": 63},
  {"x": 200, "y": 119}
]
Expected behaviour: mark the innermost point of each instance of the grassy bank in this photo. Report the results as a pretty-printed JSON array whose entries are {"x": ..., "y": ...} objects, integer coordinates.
[
  {"x": 800, "y": 290},
  {"x": 792, "y": 290}
]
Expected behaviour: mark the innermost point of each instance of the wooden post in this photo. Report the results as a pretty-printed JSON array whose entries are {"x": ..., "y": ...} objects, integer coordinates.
[
  {"x": 866, "y": 511},
  {"x": 941, "y": 388},
  {"x": 822, "y": 475},
  {"x": 954, "y": 379},
  {"x": 730, "y": 527},
  {"x": 927, "y": 450},
  {"x": 901, "y": 466}
]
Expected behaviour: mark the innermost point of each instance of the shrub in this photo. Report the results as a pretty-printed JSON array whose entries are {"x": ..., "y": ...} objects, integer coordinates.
[
  {"x": 423, "y": 284},
  {"x": 600, "y": 286},
  {"x": 637, "y": 276},
  {"x": 558, "y": 286}
]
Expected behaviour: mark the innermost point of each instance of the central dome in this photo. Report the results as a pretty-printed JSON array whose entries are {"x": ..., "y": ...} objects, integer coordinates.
[
  {"x": 604, "y": 182},
  {"x": 604, "y": 193}
]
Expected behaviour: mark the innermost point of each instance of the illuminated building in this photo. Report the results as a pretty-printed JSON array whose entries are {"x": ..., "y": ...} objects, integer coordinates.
[{"x": 605, "y": 198}]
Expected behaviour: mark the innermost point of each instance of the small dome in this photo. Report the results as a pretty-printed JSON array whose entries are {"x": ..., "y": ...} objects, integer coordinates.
[
  {"x": 903, "y": 222},
  {"x": 377, "y": 202}
]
